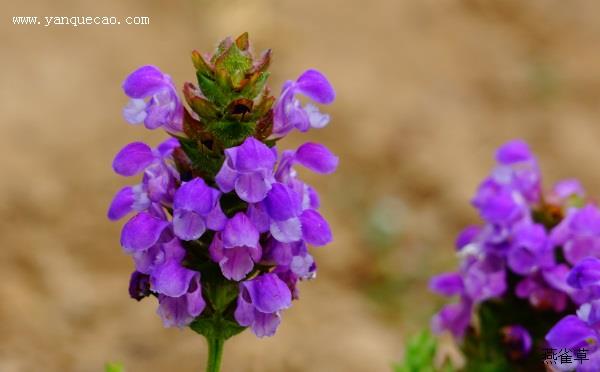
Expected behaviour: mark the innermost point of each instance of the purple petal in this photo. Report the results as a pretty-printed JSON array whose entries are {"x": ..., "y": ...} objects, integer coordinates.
[
  {"x": 448, "y": 284},
  {"x": 195, "y": 196},
  {"x": 259, "y": 217},
  {"x": 144, "y": 82},
  {"x": 244, "y": 312},
  {"x": 171, "y": 279},
  {"x": 121, "y": 204},
  {"x": 174, "y": 311},
  {"x": 239, "y": 232},
  {"x": 166, "y": 148},
  {"x": 237, "y": 263},
  {"x": 513, "y": 152},
  {"x": 287, "y": 231},
  {"x": 268, "y": 293},
  {"x": 314, "y": 85},
  {"x": 141, "y": 232},
  {"x": 195, "y": 301},
  {"x": 571, "y": 332},
  {"x": 265, "y": 325},
  {"x": 252, "y": 187},
  {"x": 216, "y": 219},
  {"x": 132, "y": 159},
  {"x": 317, "y": 157},
  {"x": 454, "y": 318},
  {"x": 315, "y": 229},
  {"x": 467, "y": 236},
  {"x": 253, "y": 155},
  {"x": 188, "y": 225},
  {"x": 585, "y": 273},
  {"x": 282, "y": 202},
  {"x": 226, "y": 177}
]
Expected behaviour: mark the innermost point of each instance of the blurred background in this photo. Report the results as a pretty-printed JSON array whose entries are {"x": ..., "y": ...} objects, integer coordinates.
[{"x": 426, "y": 91}]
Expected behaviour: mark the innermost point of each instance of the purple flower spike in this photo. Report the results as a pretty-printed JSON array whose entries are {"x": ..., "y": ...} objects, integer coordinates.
[
  {"x": 248, "y": 169},
  {"x": 141, "y": 232},
  {"x": 260, "y": 302},
  {"x": 154, "y": 100},
  {"x": 196, "y": 208},
  {"x": 236, "y": 249},
  {"x": 288, "y": 112}
]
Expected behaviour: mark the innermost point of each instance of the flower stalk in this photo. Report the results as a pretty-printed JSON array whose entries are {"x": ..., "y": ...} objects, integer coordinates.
[{"x": 215, "y": 353}]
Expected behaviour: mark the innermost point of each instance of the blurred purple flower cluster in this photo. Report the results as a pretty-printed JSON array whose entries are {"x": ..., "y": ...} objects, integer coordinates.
[
  {"x": 262, "y": 244},
  {"x": 525, "y": 248}
]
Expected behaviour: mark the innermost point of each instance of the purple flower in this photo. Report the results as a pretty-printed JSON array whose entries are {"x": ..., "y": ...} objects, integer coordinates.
[
  {"x": 142, "y": 231},
  {"x": 579, "y": 234},
  {"x": 158, "y": 182},
  {"x": 181, "y": 311},
  {"x": 290, "y": 222},
  {"x": 518, "y": 169},
  {"x": 517, "y": 340},
  {"x": 585, "y": 274},
  {"x": 195, "y": 208},
  {"x": 260, "y": 303},
  {"x": 530, "y": 249},
  {"x": 498, "y": 203},
  {"x": 236, "y": 249},
  {"x": 248, "y": 169},
  {"x": 454, "y": 318},
  {"x": 288, "y": 112},
  {"x": 564, "y": 190},
  {"x": 154, "y": 100}
]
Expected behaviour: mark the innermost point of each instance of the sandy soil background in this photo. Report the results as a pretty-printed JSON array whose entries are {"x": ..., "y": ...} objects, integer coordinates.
[{"x": 426, "y": 91}]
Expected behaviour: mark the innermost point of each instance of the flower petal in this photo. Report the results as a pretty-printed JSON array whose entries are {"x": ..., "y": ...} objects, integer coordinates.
[
  {"x": 315, "y": 229},
  {"x": 448, "y": 284},
  {"x": 188, "y": 225},
  {"x": 314, "y": 85},
  {"x": 252, "y": 187},
  {"x": 144, "y": 82},
  {"x": 141, "y": 232},
  {"x": 265, "y": 325},
  {"x": 132, "y": 159},
  {"x": 268, "y": 293},
  {"x": 171, "y": 279},
  {"x": 282, "y": 202},
  {"x": 237, "y": 263},
  {"x": 571, "y": 332},
  {"x": 240, "y": 232},
  {"x": 287, "y": 231},
  {"x": 122, "y": 203},
  {"x": 254, "y": 155},
  {"x": 195, "y": 196},
  {"x": 317, "y": 157}
]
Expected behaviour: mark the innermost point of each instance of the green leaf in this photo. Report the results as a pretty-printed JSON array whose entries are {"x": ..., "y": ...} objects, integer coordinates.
[
  {"x": 216, "y": 327},
  {"x": 114, "y": 367},
  {"x": 419, "y": 354},
  {"x": 255, "y": 86},
  {"x": 231, "y": 133},
  {"x": 235, "y": 62},
  {"x": 212, "y": 91}
]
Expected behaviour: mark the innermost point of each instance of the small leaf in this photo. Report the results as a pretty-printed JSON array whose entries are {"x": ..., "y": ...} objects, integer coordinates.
[
  {"x": 230, "y": 132},
  {"x": 255, "y": 86},
  {"x": 242, "y": 41},
  {"x": 199, "y": 104},
  {"x": 212, "y": 91},
  {"x": 202, "y": 67}
]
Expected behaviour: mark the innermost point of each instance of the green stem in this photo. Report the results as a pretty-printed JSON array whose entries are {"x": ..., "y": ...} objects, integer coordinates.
[{"x": 215, "y": 354}]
